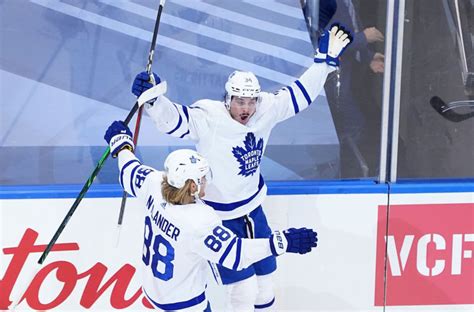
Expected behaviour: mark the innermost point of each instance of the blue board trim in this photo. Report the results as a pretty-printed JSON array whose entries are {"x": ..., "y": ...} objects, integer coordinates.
[
  {"x": 430, "y": 186},
  {"x": 274, "y": 188},
  {"x": 325, "y": 187}
]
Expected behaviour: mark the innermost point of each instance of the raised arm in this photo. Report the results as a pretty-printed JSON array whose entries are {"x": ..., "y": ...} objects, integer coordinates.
[
  {"x": 171, "y": 118},
  {"x": 134, "y": 177},
  {"x": 299, "y": 95}
]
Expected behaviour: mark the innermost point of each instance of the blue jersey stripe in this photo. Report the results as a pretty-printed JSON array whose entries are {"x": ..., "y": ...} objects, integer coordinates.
[
  {"x": 232, "y": 206},
  {"x": 131, "y": 179},
  {"x": 213, "y": 270},
  {"x": 178, "y": 305},
  {"x": 293, "y": 99},
  {"x": 303, "y": 90},
  {"x": 184, "y": 134},
  {"x": 227, "y": 250},
  {"x": 266, "y": 305},
  {"x": 185, "y": 110},
  {"x": 179, "y": 122},
  {"x": 237, "y": 254},
  {"x": 125, "y": 167}
]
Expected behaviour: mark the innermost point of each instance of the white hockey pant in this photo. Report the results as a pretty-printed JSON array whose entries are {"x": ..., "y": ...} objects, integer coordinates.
[{"x": 252, "y": 294}]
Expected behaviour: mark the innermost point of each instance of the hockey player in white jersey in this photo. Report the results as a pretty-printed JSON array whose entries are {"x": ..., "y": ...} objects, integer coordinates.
[
  {"x": 233, "y": 135},
  {"x": 181, "y": 232}
]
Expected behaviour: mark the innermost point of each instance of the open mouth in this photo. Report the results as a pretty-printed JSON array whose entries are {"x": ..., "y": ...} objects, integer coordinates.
[{"x": 244, "y": 117}]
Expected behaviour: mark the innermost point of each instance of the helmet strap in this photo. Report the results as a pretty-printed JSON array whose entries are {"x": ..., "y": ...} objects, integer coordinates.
[
  {"x": 198, "y": 190},
  {"x": 227, "y": 100}
]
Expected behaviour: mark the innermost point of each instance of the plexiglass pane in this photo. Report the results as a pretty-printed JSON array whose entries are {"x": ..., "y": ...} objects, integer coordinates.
[
  {"x": 355, "y": 92},
  {"x": 436, "y": 128}
]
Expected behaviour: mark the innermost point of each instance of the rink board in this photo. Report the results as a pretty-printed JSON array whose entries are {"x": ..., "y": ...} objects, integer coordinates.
[{"x": 430, "y": 250}]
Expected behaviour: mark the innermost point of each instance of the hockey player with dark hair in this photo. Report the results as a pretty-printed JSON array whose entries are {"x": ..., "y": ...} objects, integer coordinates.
[{"x": 233, "y": 135}]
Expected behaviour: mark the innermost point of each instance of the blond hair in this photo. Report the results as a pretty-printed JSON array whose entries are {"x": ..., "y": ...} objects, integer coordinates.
[{"x": 173, "y": 195}]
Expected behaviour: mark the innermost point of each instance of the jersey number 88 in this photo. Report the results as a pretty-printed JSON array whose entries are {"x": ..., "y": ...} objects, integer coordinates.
[
  {"x": 214, "y": 242},
  {"x": 162, "y": 257}
]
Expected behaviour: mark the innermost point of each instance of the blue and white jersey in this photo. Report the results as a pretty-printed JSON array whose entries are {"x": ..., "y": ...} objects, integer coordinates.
[
  {"x": 179, "y": 240},
  {"x": 234, "y": 151}
]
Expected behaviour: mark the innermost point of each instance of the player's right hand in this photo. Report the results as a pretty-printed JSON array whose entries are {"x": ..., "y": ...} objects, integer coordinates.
[
  {"x": 118, "y": 136},
  {"x": 142, "y": 82},
  {"x": 293, "y": 240}
]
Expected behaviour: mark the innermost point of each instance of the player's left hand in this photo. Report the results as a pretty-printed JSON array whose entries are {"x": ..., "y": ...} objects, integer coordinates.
[
  {"x": 293, "y": 240},
  {"x": 143, "y": 82},
  {"x": 118, "y": 136},
  {"x": 339, "y": 39}
]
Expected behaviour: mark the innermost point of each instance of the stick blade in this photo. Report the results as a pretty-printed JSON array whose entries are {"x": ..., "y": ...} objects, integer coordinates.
[
  {"x": 152, "y": 93},
  {"x": 443, "y": 109},
  {"x": 438, "y": 104},
  {"x": 118, "y": 233}
]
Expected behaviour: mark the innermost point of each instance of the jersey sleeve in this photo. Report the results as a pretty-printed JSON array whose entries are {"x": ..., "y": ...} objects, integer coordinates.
[
  {"x": 220, "y": 245},
  {"x": 136, "y": 179},
  {"x": 178, "y": 120},
  {"x": 292, "y": 99}
]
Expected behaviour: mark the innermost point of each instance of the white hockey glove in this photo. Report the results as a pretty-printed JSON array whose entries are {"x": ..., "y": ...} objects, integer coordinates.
[
  {"x": 293, "y": 240},
  {"x": 118, "y": 136},
  {"x": 339, "y": 38}
]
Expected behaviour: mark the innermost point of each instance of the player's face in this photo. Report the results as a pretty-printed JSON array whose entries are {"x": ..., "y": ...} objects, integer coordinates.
[
  {"x": 242, "y": 108},
  {"x": 202, "y": 191}
]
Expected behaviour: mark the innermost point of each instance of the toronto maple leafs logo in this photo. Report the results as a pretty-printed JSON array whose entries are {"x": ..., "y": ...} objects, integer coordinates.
[{"x": 250, "y": 155}]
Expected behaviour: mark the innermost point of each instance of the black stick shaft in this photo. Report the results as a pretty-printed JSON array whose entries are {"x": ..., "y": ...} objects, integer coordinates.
[
  {"x": 153, "y": 39},
  {"x": 83, "y": 192},
  {"x": 140, "y": 111}
]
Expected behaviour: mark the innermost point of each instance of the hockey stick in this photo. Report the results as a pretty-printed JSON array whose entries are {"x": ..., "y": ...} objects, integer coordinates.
[
  {"x": 147, "y": 96},
  {"x": 446, "y": 110},
  {"x": 140, "y": 111}
]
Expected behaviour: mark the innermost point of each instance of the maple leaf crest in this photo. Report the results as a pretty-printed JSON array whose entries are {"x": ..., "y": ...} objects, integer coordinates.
[{"x": 250, "y": 155}]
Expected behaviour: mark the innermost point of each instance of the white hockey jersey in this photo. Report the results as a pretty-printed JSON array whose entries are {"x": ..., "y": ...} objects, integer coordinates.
[
  {"x": 179, "y": 240},
  {"x": 234, "y": 151}
]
